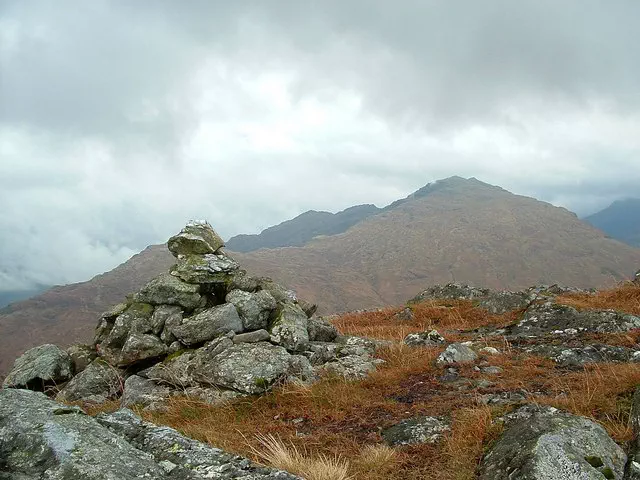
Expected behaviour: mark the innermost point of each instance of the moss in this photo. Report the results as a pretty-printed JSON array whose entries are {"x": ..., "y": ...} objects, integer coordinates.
[
  {"x": 608, "y": 473},
  {"x": 595, "y": 462},
  {"x": 262, "y": 383},
  {"x": 138, "y": 309},
  {"x": 177, "y": 354}
]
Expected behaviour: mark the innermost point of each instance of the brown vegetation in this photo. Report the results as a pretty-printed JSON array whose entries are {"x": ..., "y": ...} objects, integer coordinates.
[{"x": 624, "y": 297}]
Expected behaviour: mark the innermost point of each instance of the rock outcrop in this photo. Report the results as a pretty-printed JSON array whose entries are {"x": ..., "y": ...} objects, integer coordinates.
[
  {"x": 548, "y": 444},
  {"x": 206, "y": 328},
  {"x": 40, "y": 438}
]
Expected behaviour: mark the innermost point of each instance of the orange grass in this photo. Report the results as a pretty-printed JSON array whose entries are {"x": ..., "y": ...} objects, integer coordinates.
[{"x": 625, "y": 298}]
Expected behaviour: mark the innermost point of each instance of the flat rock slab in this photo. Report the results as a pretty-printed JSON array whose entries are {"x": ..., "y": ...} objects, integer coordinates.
[
  {"x": 548, "y": 444},
  {"x": 40, "y": 438},
  {"x": 415, "y": 430}
]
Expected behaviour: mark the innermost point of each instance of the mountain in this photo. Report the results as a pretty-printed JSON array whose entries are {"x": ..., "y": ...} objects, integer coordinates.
[
  {"x": 300, "y": 230},
  {"x": 620, "y": 220},
  {"x": 456, "y": 229}
]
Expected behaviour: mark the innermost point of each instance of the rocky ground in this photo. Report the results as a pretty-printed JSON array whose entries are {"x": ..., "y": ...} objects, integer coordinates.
[{"x": 460, "y": 383}]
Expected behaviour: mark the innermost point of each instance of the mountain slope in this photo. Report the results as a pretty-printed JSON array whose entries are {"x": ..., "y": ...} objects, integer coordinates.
[
  {"x": 301, "y": 229},
  {"x": 451, "y": 230},
  {"x": 620, "y": 220}
]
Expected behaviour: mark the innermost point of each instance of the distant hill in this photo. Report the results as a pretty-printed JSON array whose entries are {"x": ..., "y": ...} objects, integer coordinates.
[
  {"x": 620, "y": 220},
  {"x": 17, "y": 295},
  {"x": 452, "y": 230},
  {"x": 303, "y": 228}
]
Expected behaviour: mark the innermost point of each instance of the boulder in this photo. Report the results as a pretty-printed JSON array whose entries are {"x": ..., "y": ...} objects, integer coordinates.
[
  {"x": 415, "y": 430},
  {"x": 196, "y": 238},
  {"x": 254, "y": 308},
  {"x": 548, "y": 444},
  {"x": 205, "y": 269},
  {"x": 496, "y": 302},
  {"x": 277, "y": 291},
  {"x": 425, "y": 339},
  {"x": 457, "y": 353},
  {"x": 249, "y": 368},
  {"x": 164, "y": 319},
  {"x": 40, "y": 438},
  {"x": 289, "y": 328},
  {"x": 176, "y": 370},
  {"x": 551, "y": 318},
  {"x": 208, "y": 325},
  {"x": 96, "y": 384},
  {"x": 404, "y": 315},
  {"x": 144, "y": 393},
  {"x": 81, "y": 356},
  {"x": 320, "y": 330},
  {"x": 252, "y": 337},
  {"x": 350, "y": 367},
  {"x": 107, "y": 319},
  {"x": 39, "y": 368},
  {"x": 580, "y": 356},
  {"x": 135, "y": 319},
  {"x": 140, "y": 347},
  {"x": 166, "y": 289}
]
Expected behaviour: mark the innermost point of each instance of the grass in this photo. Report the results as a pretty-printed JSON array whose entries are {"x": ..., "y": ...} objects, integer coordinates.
[
  {"x": 331, "y": 429},
  {"x": 624, "y": 297}
]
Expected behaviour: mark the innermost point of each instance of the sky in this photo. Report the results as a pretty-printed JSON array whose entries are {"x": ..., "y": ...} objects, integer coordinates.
[{"x": 122, "y": 120}]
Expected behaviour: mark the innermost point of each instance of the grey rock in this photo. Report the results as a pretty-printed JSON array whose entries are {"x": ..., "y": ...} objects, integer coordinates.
[
  {"x": 350, "y": 367},
  {"x": 205, "y": 269},
  {"x": 490, "y": 370},
  {"x": 548, "y": 444},
  {"x": 404, "y": 315},
  {"x": 490, "y": 351},
  {"x": 249, "y": 368},
  {"x": 502, "y": 398},
  {"x": 321, "y": 352},
  {"x": 580, "y": 356},
  {"x": 107, "y": 319},
  {"x": 39, "y": 368},
  {"x": 241, "y": 281},
  {"x": 212, "y": 396},
  {"x": 166, "y": 289},
  {"x": 457, "y": 353},
  {"x": 308, "y": 308},
  {"x": 425, "y": 339},
  {"x": 140, "y": 347},
  {"x": 135, "y": 319},
  {"x": 415, "y": 431},
  {"x": 277, "y": 291},
  {"x": 81, "y": 356},
  {"x": 208, "y": 324},
  {"x": 254, "y": 308},
  {"x": 176, "y": 370},
  {"x": 551, "y": 318},
  {"x": 320, "y": 330},
  {"x": 145, "y": 393},
  {"x": 96, "y": 384},
  {"x": 289, "y": 328},
  {"x": 164, "y": 444},
  {"x": 43, "y": 439},
  {"x": 496, "y": 302},
  {"x": 195, "y": 238},
  {"x": 252, "y": 337},
  {"x": 170, "y": 317}
]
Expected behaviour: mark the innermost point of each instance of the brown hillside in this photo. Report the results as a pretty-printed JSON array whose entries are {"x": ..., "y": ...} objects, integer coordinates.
[{"x": 453, "y": 230}]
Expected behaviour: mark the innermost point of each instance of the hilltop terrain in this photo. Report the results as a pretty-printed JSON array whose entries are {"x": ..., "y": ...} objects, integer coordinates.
[
  {"x": 457, "y": 383},
  {"x": 456, "y": 229}
]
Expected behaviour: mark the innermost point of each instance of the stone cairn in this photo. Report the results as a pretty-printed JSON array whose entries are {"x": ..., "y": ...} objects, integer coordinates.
[{"x": 205, "y": 329}]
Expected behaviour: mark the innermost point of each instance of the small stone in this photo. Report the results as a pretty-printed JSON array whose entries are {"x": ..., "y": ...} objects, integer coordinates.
[
  {"x": 404, "y": 315},
  {"x": 491, "y": 370},
  {"x": 252, "y": 337},
  {"x": 415, "y": 431},
  {"x": 457, "y": 353},
  {"x": 490, "y": 351},
  {"x": 424, "y": 339}
]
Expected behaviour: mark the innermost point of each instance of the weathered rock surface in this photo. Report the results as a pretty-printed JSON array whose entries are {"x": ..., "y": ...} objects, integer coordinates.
[
  {"x": 196, "y": 238},
  {"x": 497, "y": 302},
  {"x": 254, "y": 308},
  {"x": 457, "y": 353},
  {"x": 81, "y": 356},
  {"x": 580, "y": 356},
  {"x": 210, "y": 269},
  {"x": 166, "y": 289},
  {"x": 96, "y": 383},
  {"x": 144, "y": 392},
  {"x": 404, "y": 315},
  {"x": 252, "y": 337},
  {"x": 552, "y": 318},
  {"x": 290, "y": 328},
  {"x": 40, "y": 438},
  {"x": 320, "y": 330},
  {"x": 548, "y": 444},
  {"x": 425, "y": 339},
  {"x": 140, "y": 347},
  {"x": 415, "y": 431},
  {"x": 208, "y": 325},
  {"x": 46, "y": 365}
]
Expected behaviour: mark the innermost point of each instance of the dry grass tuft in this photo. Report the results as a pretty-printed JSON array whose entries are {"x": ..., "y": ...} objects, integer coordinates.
[
  {"x": 625, "y": 298},
  {"x": 376, "y": 461},
  {"x": 287, "y": 457}
]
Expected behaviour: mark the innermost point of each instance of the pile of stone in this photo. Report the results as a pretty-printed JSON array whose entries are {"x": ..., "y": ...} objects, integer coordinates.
[{"x": 206, "y": 329}]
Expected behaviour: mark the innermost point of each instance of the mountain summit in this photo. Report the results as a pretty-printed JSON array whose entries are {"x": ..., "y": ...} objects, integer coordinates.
[{"x": 460, "y": 230}]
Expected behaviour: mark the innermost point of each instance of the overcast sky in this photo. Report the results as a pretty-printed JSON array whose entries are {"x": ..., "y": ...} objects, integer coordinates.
[{"x": 122, "y": 120}]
